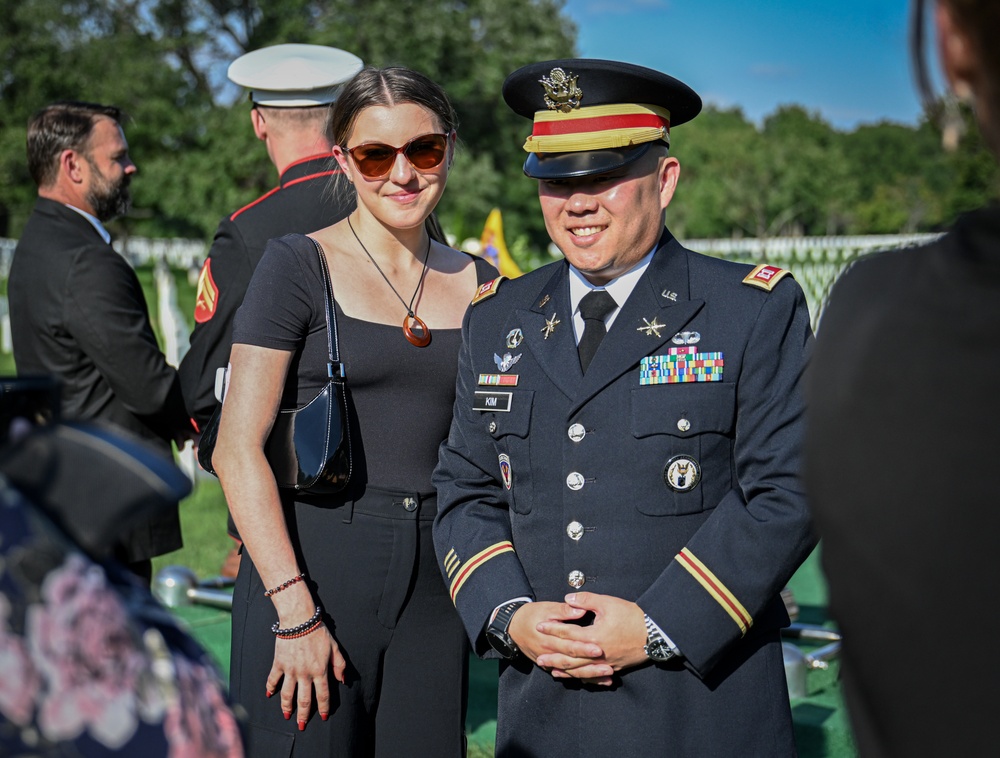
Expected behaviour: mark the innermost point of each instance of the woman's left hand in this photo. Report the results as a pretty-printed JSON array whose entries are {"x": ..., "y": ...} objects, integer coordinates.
[{"x": 302, "y": 665}]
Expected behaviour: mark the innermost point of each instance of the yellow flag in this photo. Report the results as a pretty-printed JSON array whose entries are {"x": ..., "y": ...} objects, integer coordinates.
[{"x": 494, "y": 249}]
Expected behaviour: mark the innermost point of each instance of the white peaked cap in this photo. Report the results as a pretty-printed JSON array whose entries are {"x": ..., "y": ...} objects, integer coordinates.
[{"x": 294, "y": 76}]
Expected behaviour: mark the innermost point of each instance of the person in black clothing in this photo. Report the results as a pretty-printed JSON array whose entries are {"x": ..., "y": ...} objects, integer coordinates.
[
  {"x": 77, "y": 310},
  {"x": 901, "y": 457},
  {"x": 291, "y": 88},
  {"x": 385, "y": 668}
]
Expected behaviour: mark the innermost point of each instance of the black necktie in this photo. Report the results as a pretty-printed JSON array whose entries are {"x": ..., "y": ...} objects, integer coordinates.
[{"x": 594, "y": 307}]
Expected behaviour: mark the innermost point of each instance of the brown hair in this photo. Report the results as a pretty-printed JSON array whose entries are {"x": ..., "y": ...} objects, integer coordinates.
[
  {"x": 387, "y": 86},
  {"x": 65, "y": 125}
]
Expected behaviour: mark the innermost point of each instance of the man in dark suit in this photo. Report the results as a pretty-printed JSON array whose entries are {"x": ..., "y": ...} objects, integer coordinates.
[
  {"x": 77, "y": 310},
  {"x": 292, "y": 88},
  {"x": 652, "y": 474}
]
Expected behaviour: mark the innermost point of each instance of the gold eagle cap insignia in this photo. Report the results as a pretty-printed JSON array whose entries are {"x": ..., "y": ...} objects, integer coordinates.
[{"x": 561, "y": 92}]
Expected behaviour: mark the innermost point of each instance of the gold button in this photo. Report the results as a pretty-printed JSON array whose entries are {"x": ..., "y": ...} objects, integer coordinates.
[
  {"x": 576, "y": 432},
  {"x": 683, "y": 424},
  {"x": 575, "y": 530},
  {"x": 576, "y": 579},
  {"x": 575, "y": 481},
  {"x": 493, "y": 427}
]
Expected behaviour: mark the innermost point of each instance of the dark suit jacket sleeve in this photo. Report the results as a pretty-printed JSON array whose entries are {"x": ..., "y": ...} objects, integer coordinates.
[
  {"x": 211, "y": 340},
  {"x": 106, "y": 312},
  {"x": 730, "y": 572},
  {"x": 476, "y": 514}
]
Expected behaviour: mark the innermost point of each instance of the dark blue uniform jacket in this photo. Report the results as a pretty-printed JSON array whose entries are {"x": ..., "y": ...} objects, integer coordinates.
[{"x": 706, "y": 563}]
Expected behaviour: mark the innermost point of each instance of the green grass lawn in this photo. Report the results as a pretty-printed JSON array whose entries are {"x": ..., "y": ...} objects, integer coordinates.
[{"x": 203, "y": 524}]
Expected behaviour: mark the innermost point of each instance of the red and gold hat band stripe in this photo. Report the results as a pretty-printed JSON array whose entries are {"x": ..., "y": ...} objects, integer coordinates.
[
  {"x": 475, "y": 562},
  {"x": 716, "y": 589},
  {"x": 598, "y": 127}
]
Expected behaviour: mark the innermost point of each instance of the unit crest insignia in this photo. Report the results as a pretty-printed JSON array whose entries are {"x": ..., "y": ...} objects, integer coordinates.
[{"x": 561, "y": 92}]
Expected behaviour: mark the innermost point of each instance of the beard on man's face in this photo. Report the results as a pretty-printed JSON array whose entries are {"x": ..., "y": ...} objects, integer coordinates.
[{"x": 108, "y": 198}]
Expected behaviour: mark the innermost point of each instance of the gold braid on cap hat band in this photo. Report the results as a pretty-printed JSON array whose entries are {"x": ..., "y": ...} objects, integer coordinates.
[{"x": 598, "y": 127}]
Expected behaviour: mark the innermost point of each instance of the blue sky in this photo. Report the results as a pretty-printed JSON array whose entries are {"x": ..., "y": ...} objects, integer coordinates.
[{"x": 848, "y": 60}]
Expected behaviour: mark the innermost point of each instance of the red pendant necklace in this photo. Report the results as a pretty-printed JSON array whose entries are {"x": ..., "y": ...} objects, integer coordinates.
[{"x": 421, "y": 337}]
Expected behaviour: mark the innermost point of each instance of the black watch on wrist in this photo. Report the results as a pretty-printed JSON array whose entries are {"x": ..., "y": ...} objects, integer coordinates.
[
  {"x": 656, "y": 648},
  {"x": 497, "y": 634}
]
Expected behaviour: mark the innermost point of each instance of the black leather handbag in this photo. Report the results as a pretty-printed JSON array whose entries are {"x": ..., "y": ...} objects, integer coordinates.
[{"x": 309, "y": 448}]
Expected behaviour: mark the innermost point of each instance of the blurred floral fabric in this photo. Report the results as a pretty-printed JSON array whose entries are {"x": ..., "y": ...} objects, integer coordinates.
[{"x": 90, "y": 663}]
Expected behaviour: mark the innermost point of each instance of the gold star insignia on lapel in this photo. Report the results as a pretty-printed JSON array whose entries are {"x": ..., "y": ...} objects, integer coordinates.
[
  {"x": 651, "y": 328},
  {"x": 550, "y": 326}
]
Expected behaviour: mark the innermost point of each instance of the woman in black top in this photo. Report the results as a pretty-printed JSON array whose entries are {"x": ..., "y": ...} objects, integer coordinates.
[
  {"x": 902, "y": 457},
  {"x": 385, "y": 672}
]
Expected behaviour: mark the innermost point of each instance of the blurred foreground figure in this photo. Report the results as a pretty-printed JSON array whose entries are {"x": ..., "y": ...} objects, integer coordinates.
[
  {"x": 92, "y": 664},
  {"x": 901, "y": 454}
]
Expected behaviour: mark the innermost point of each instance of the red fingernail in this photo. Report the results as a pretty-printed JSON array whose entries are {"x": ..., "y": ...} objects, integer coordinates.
[
  {"x": 302, "y": 726},
  {"x": 287, "y": 714},
  {"x": 324, "y": 716},
  {"x": 269, "y": 693}
]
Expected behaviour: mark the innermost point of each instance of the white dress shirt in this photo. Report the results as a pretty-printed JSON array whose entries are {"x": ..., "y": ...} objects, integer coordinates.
[{"x": 105, "y": 234}]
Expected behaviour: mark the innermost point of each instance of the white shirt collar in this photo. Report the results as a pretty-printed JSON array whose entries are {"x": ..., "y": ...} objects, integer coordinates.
[
  {"x": 619, "y": 288},
  {"x": 105, "y": 235}
]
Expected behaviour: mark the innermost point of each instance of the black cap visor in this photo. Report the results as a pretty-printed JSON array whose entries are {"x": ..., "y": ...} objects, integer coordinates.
[{"x": 583, "y": 163}]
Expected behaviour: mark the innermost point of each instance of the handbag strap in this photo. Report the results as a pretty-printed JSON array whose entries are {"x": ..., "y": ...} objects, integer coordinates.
[{"x": 334, "y": 368}]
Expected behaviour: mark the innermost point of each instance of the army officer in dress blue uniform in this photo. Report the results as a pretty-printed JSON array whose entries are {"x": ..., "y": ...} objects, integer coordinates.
[{"x": 617, "y": 517}]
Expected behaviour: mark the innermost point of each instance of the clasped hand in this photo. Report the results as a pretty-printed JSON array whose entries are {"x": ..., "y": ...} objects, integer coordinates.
[{"x": 546, "y": 633}]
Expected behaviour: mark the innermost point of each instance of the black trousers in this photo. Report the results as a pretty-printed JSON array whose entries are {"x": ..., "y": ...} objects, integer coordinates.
[{"x": 371, "y": 566}]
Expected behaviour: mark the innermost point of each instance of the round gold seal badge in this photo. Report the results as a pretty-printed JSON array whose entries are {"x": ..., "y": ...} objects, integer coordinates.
[{"x": 682, "y": 473}]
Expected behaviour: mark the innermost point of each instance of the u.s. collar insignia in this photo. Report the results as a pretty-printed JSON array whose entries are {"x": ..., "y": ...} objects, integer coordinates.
[
  {"x": 506, "y": 362},
  {"x": 550, "y": 326},
  {"x": 669, "y": 295},
  {"x": 514, "y": 338},
  {"x": 682, "y": 474},
  {"x": 651, "y": 328},
  {"x": 686, "y": 338},
  {"x": 505, "y": 473},
  {"x": 561, "y": 92},
  {"x": 544, "y": 300}
]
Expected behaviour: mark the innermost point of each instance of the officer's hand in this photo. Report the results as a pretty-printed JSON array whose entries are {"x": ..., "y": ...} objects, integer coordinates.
[
  {"x": 619, "y": 629},
  {"x": 527, "y": 619}
]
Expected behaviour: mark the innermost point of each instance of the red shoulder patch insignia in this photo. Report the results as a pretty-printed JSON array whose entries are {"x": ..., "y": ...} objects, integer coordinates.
[
  {"x": 487, "y": 290},
  {"x": 208, "y": 294},
  {"x": 765, "y": 277}
]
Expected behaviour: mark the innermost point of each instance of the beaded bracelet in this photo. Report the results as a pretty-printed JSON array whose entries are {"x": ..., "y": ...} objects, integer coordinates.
[
  {"x": 284, "y": 585},
  {"x": 303, "y": 633},
  {"x": 294, "y": 631}
]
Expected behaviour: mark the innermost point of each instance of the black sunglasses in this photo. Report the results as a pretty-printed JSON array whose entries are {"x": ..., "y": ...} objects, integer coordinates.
[{"x": 374, "y": 160}]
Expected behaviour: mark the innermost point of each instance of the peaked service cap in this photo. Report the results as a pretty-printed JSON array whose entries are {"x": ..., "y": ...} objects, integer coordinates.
[
  {"x": 592, "y": 116},
  {"x": 293, "y": 75}
]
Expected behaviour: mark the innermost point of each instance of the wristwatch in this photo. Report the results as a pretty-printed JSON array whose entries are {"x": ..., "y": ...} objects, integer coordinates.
[
  {"x": 656, "y": 648},
  {"x": 496, "y": 632}
]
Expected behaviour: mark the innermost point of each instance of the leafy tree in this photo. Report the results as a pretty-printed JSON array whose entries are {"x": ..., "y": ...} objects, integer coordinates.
[{"x": 162, "y": 61}]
